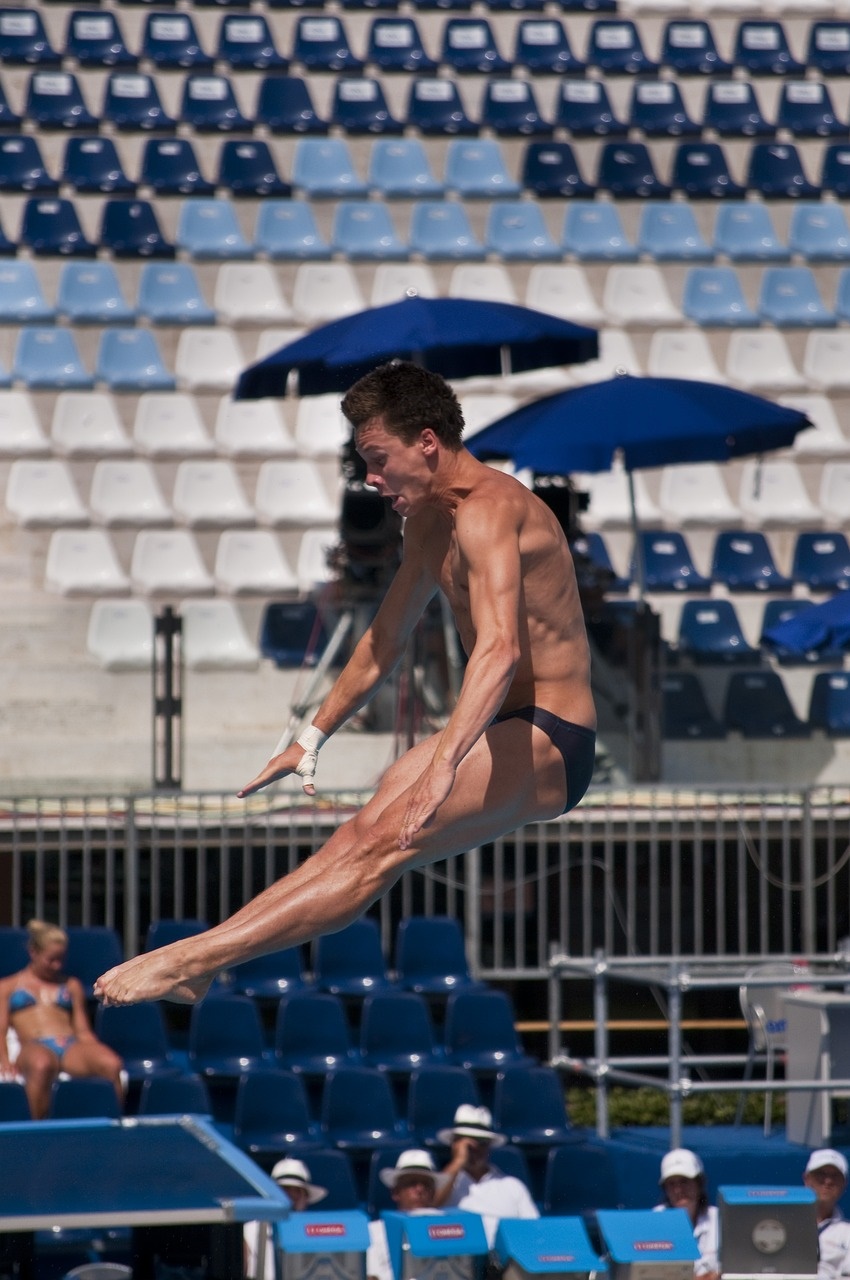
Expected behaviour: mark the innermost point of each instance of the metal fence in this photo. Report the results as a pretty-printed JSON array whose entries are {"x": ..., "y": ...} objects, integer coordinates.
[{"x": 641, "y": 873}]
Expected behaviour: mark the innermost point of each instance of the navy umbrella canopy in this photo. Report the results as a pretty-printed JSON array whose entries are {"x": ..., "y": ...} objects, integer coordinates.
[
  {"x": 825, "y": 625},
  {"x": 457, "y": 337}
]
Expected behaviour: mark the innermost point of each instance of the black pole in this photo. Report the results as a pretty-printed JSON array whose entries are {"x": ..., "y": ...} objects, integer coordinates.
[{"x": 167, "y": 701}]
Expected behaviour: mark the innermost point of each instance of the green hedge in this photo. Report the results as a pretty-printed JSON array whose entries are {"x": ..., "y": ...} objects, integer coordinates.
[{"x": 651, "y": 1107}]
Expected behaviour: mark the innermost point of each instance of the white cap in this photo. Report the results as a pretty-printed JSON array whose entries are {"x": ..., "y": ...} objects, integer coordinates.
[
  {"x": 680, "y": 1163},
  {"x": 413, "y": 1161},
  {"x": 294, "y": 1173},
  {"x": 471, "y": 1122},
  {"x": 826, "y": 1156}
]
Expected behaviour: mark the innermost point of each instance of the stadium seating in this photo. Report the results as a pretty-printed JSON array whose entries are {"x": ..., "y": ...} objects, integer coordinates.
[
  {"x": 130, "y": 360},
  {"x": 292, "y": 633},
  {"x": 627, "y": 170},
  {"x": 761, "y": 48},
  {"x": 210, "y": 229},
  {"x": 225, "y": 1038},
  {"x": 120, "y": 635},
  {"x": 701, "y": 170},
  {"x": 435, "y": 107},
  {"x": 615, "y": 47},
  {"x": 829, "y": 47},
  {"x": 550, "y": 169},
  {"x": 435, "y": 1091},
  {"x": 170, "y": 167},
  {"x": 777, "y": 610},
  {"x": 477, "y": 169},
  {"x": 21, "y": 432},
  {"x": 249, "y": 169},
  {"x": 130, "y": 229},
  {"x": 820, "y": 232},
  {"x": 395, "y": 44},
  {"x": 399, "y": 168},
  {"x": 689, "y": 48},
  {"x": 479, "y": 1032},
  {"x": 790, "y": 298},
  {"x": 322, "y": 44},
  {"x": 132, "y": 103},
  {"x": 323, "y": 168},
  {"x": 170, "y": 293},
  {"x": 743, "y": 561},
  {"x": 772, "y": 493},
  {"x": 169, "y": 425},
  {"x": 776, "y": 171},
  {"x": 270, "y": 976},
  {"x": 312, "y": 1035},
  {"x": 252, "y": 562},
  {"x": 442, "y": 230},
  {"x": 360, "y": 107},
  {"x": 22, "y": 166},
  {"x": 42, "y": 493},
  {"x": 168, "y": 562},
  {"x": 806, "y": 109},
  {"x": 92, "y": 949},
  {"x": 138, "y": 1035},
  {"x": 287, "y": 229},
  {"x": 658, "y": 110},
  {"x": 666, "y": 562},
  {"x": 55, "y": 100},
  {"x": 91, "y": 293},
  {"x": 430, "y": 955},
  {"x": 585, "y": 110},
  {"x": 687, "y": 353},
  {"x": 509, "y": 108},
  {"x": 83, "y": 562},
  {"x": 757, "y": 706},
  {"x": 351, "y": 962},
  {"x": 821, "y": 561},
  {"x": 83, "y": 1098},
  {"x": 171, "y": 41},
  {"x": 95, "y": 39},
  {"x": 358, "y": 1111},
  {"x": 685, "y": 713},
  {"x": 469, "y": 46},
  {"x": 670, "y": 233},
  {"x": 761, "y": 359},
  {"x": 396, "y": 1032},
  {"x": 209, "y": 494},
  {"x": 829, "y": 705},
  {"x": 517, "y": 231},
  {"x": 175, "y": 1095},
  {"x": 22, "y": 299},
  {"x": 732, "y": 109},
  {"x": 594, "y": 231},
  {"x": 529, "y": 1107},
  {"x": 543, "y": 47},
  {"x": 272, "y": 1116},
  {"x": 52, "y": 227},
  {"x": 49, "y": 360},
  {"x": 285, "y": 105},
  {"x": 710, "y": 632},
  {"x": 246, "y": 43},
  {"x": 746, "y": 233},
  {"x": 92, "y": 165}
]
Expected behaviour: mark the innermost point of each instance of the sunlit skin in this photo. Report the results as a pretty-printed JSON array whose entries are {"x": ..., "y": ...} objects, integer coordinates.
[
  {"x": 501, "y": 558},
  {"x": 37, "y": 1064},
  {"x": 828, "y": 1184},
  {"x": 470, "y": 1156}
]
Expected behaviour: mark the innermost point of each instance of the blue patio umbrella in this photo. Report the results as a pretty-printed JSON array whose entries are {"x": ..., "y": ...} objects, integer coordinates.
[
  {"x": 823, "y": 626},
  {"x": 457, "y": 337}
]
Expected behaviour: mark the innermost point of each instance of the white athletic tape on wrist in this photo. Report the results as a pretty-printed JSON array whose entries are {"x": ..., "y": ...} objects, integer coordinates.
[{"x": 312, "y": 740}]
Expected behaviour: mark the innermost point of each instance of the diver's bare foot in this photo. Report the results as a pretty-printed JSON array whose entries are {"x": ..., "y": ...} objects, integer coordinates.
[{"x": 153, "y": 976}]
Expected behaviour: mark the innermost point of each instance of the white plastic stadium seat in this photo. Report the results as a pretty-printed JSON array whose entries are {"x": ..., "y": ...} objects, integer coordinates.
[
  {"x": 480, "y": 410},
  {"x": 208, "y": 359},
  {"x": 826, "y": 361},
  {"x": 313, "y": 568},
  {"x": 395, "y": 280},
  {"x": 169, "y": 425},
  {"x": 609, "y": 504},
  {"x": 168, "y": 562},
  {"x": 41, "y": 492},
  {"x": 82, "y": 562},
  {"x": 86, "y": 424},
  {"x": 772, "y": 493},
  {"x": 562, "y": 290},
  {"x": 214, "y": 636},
  {"x": 21, "y": 434},
  {"x": 248, "y": 293},
  {"x": 126, "y": 491},
  {"x": 325, "y": 291},
  {"x": 759, "y": 360},
  {"x": 320, "y": 428},
  {"x": 120, "y": 634},
  {"x": 208, "y": 494},
  {"x": 251, "y": 562},
  {"x": 683, "y": 353},
  {"x": 292, "y": 493},
  {"x": 638, "y": 295},
  {"x": 835, "y": 492},
  {"x": 485, "y": 281},
  {"x": 271, "y": 340},
  {"x": 695, "y": 493},
  {"x": 616, "y": 355},
  {"x": 252, "y": 429}
]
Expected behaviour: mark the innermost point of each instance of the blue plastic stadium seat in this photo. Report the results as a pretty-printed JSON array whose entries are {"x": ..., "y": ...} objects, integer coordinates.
[
  {"x": 543, "y": 46},
  {"x": 762, "y": 49},
  {"x": 626, "y": 170},
  {"x": 370, "y": 4},
  {"x": 272, "y": 1116},
  {"x": 364, "y": 231},
  {"x": 469, "y": 45},
  {"x": 9, "y": 119},
  {"x": 396, "y": 1032},
  {"x": 271, "y": 976},
  {"x": 732, "y": 110},
  {"x": 95, "y": 39},
  {"x": 351, "y": 962},
  {"x": 322, "y": 44},
  {"x": 829, "y": 703},
  {"x": 171, "y": 41},
  {"x": 806, "y": 110},
  {"x": 510, "y": 109},
  {"x": 92, "y": 949},
  {"x": 790, "y": 298},
  {"x": 710, "y": 632},
  {"x": 435, "y": 107},
  {"x": 24, "y": 40},
  {"x": 480, "y": 1032},
  {"x": 395, "y": 44},
  {"x": 477, "y": 169},
  {"x": 312, "y": 1035},
  {"x": 658, "y": 110},
  {"x": 441, "y": 229},
  {"x": 359, "y": 1112},
  {"x": 529, "y": 1107},
  {"x": 226, "y": 1038},
  {"x": 821, "y": 561},
  {"x": 829, "y": 47},
  {"x": 332, "y": 1170},
  {"x": 138, "y": 1035},
  {"x": 287, "y": 229},
  {"x": 161, "y": 933},
  {"x": 819, "y": 232},
  {"x": 292, "y": 633},
  {"x": 835, "y": 169},
  {"x": 430, "y": 955},
  {"x": 517, "y": 232},
  {"x": 246, "y": 43},
  {"x": 458, "y": 6},
  {"x": 780, "y": 610},
  {"x": 83, "y": 1098},
  {"x": 585, "y": 110},
  {"x": 13, "y": 949},
  {"x": 688, "y": 47},
  {"x": 93, "y": 165},
  {"x": 776, "y": 172},
  {"x": 592, "y": 549},
  {"x": 701, "y": 170},
  {"x": 435, "y": 1092},
  {"x": 130, "y": 229},
  {"x": 615, "y": 47},
  {"x": 323, "y": 168},
  {"x": 91, "y": 293},
  {"x": 210, "y": 229},
  {"x": 22, "y": 299},
  {"x": 209, "y": 105},
  {"x": 169, "y": 293},
  {"x": 399, "y": 168},
  {"x": 685, "y": 713},
  {"x": 593, "y": 231},
  {"x": 284, "y": 105},
  {"x": 170, "y": 167},
  {"x": 668, "y": 564},
  {"x": 550, "y": 169},
  {"x": 22, "y": 167},
  {"x": 51, "y": 226},
  {"x": 359, "y": 106},
  {"x": 842, "y": 294},
  {"x": 670, "y": 233},
  {"x": 130, "y": 360},
  {"x": 14, "y": 1105},
  {"x": 248, "y": 169},
  {"x": 572, "y": 1186},
  {"x": 745, "y": 233},
  {"x": 743, "y": 561},
  {"x": 132, "y": 102},
  {"x": 55, "y": 101},
  {"x": 174, "y": 1095},
  {"x": 49, "y": 359},
  {"x": 757, "y": 706}
]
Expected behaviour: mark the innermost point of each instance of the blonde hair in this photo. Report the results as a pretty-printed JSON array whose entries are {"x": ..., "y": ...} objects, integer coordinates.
[{"x": 42, "y": 934}]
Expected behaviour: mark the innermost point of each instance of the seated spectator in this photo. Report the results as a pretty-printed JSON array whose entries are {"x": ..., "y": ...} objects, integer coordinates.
[
  {"x": 294, "y": 1177},
  {"x": 683, "y": 1184},
  {"x": 472, "y": 1182},
  {"x": 826, "y": 1175},
  {"x": 413, "y": 1182},
  {"x": 51, "y": 1033}
]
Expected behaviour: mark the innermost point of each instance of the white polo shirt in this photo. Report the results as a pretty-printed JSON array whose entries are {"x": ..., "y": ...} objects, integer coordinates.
[
  {"x": 495, "y": 1196},
  {"x": 834, "y": 1247}
]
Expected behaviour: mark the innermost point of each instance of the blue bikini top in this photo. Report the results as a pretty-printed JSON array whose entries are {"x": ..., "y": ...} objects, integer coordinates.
[{"x": 23, "y": 999}]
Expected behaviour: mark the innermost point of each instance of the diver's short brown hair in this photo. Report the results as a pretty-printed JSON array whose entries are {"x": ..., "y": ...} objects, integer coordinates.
[{"x": 409, "y": 399}]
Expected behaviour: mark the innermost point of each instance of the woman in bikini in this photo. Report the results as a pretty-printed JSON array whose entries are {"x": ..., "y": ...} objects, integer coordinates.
[{"x": 47, "y": 1013}]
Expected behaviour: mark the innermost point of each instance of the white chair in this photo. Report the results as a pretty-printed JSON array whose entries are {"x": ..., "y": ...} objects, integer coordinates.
[
  {"x": 208, "y": 359},
  {"x": 249, "y": 293},
  {"x": 214, "y": 637},
  {"x": 271, "y": 340},
  {"x": 208, "y": 494},
  {"x": 126, "y": 491},
  {"x": 169, "y": 425},
  {"x": 86, "y": 424},
  {"x": 824, "y": 438},
  {"x": 480, "y": 410},
  {"x": 21, "y": 434},
  {"x": 41, "y": 492},
  {"x": 395, "y": 280},
  {"x": 320, "y": 429},
  {"x": 638, "y": 295},
  {"x": 772, "y": 492},
  {"x": 562, "y": 289},
  {"x": 252, "y": 429},
  {"x": 82, "y": 562},
  {"x": 325, "y": 291},
  {"x": 764, "y": 1013},
  {"x": 292, "y": 493},
  {"x": 168, "y": 562},
  {"x": 609, "y": 504},
  {"x": 683, "y": 353},
  {"x": 759, "y": 360},
  {"x": 120, "y": 634},
  {"x": 826, "y": 360},
  {"x": 314, "y": 569},
  {"x": 695, "y": 493},
  {"x": 251, "y": 562},
  {"x": 616, "y": 355},
  {"x": 834, "y": 498},
  {"x": 484, "y": 281}
]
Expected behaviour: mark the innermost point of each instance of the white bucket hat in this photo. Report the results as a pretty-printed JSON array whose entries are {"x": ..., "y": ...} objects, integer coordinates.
[
  {"x": 472, "y": 1122},
  {"x": 413, "y": 1161},
  {"x": 680, "y": 1163},
  {"x": 294, "y": 1173}
]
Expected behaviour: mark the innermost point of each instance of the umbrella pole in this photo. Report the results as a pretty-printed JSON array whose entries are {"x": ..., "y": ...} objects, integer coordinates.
[{"x": 640, "y": 565}]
